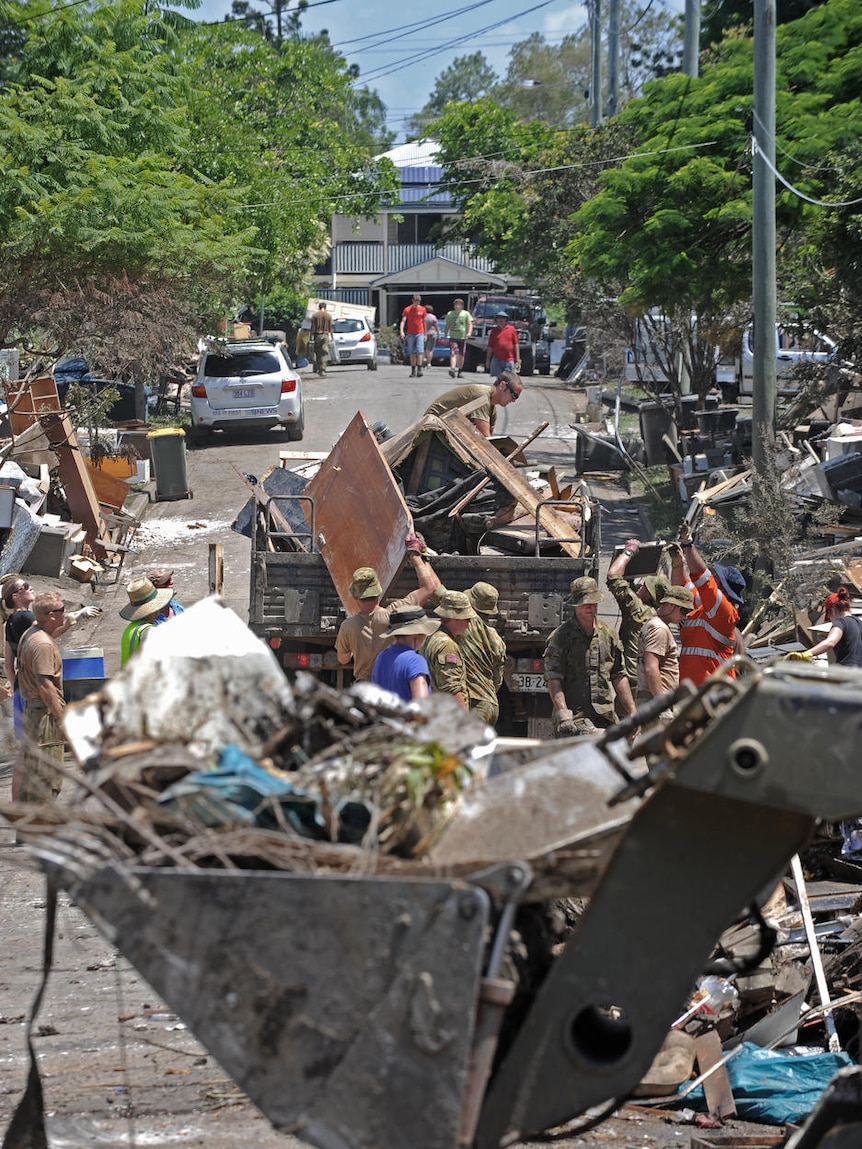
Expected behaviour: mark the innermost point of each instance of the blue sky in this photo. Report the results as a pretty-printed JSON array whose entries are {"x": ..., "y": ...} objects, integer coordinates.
[{"x": 402, "y": 48}]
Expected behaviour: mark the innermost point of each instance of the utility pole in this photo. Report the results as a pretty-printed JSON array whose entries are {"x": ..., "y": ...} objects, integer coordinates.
[
  {"x": 595, "y": 62},
  {"x": 763, "y": 235},
  {"x": 691, "y": 43},
  {"x": 613, "y": 58}
]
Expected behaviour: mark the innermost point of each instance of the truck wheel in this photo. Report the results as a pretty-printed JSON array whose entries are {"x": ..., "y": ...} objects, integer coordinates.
[{"x": 527, "y": 363}]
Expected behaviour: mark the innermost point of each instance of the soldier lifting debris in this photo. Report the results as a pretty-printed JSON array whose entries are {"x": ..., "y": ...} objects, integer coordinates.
[
  {"x": 584, "y": 668},
  {"x": 360, "y": 637}
]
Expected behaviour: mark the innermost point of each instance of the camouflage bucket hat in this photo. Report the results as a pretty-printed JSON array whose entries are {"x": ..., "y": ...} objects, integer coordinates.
[
  {"x": 656, "y": 586},
  {"x": 365, "y": 583},
  {"x": 585, "y": 590},
  {"x": 454, "y": 604},
  {"x": 484, "y": 598},
  {"x": 679, "y": 596}
]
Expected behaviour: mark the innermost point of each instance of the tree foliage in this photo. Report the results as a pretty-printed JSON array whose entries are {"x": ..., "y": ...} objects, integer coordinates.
[{"x": 167, "y": 168}]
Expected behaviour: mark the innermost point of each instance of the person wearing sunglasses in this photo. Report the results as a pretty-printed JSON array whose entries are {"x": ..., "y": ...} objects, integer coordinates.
[
  {"x": 40, "y": 679},
  {"x": 500, "y": 393}
]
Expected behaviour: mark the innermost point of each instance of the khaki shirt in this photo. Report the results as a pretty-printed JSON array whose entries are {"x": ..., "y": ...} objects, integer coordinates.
[
  {"x": 656, "y": 638},
  {"x": 587, "y": 665},
  {"x": 459, "y": 396},
  {"x": 445, "y": 662},
  {"x": 360, "y": 634},
  {"x": 633, "y": 614},
  {"x": 484, "y": 654},
  {"x": 38, "y": 658},
  {"x": 321, "y": 323}
]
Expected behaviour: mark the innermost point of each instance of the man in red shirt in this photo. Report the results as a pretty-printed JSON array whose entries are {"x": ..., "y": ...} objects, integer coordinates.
[
  {"x": 504, "y": 352},
  {"x": 413, "y": 320}
]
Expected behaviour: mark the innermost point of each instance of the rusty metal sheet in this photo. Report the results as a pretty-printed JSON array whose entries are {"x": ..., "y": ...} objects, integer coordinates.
[{"x": 360, "y": 517}]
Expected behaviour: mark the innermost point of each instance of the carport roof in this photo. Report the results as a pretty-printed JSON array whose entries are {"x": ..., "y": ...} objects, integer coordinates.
[{"x": 439, "y": 272}]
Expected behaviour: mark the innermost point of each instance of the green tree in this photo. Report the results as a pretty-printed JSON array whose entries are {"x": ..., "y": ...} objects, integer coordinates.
[
  {"x": 93, "y": 207},
  {"x": 466, "y": 78},
  {"x": 297, "y": 161}
]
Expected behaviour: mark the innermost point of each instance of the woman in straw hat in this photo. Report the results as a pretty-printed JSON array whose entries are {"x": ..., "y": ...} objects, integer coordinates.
[{"x": 400, "y": 667}]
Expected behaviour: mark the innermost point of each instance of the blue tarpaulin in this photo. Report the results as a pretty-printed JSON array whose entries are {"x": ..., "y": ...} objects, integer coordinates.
[{"x": 777, "y": 1087}]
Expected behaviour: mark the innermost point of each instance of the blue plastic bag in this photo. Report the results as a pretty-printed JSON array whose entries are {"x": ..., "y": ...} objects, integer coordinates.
[{"x": 775, "y": 1087}]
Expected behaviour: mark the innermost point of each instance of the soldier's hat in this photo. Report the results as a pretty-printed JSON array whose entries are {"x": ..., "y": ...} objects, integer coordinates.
[
  {"x": 365, "y": 583},
  {"x": 454, "y": 604},
  {"x": 679, "y": 596},
  {"x": 585, "y": 590},
  {"x": 484, "y": 598}
]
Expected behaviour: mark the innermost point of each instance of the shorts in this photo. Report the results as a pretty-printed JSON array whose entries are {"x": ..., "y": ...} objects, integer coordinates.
[
  {"x": 457, "y": 346},
  {"x": 498, "y": 366},
  {"x": 414, "y": 344},
  {"x": 430, "y": 340}
]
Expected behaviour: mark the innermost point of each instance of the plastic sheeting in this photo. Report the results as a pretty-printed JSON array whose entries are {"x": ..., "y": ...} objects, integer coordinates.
[{"x": 777, "y": 1087}]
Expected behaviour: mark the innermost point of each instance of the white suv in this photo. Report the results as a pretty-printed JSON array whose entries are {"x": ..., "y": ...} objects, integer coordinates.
[{"x": 247, "y": 385}]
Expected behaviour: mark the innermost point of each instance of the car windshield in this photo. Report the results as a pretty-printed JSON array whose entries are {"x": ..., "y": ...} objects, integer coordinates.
[
  {"x": 519, "y": 312},
  {"x": 343, "y": 326},
  {"x": 242, "y": 363}
]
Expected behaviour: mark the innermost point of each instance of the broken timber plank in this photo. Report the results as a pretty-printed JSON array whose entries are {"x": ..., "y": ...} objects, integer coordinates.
[
  {"x": 360, "y": 517},
  {"x": 716, "y": 1087},
  {"x": 460, "y": 429},
  {"x": 456, "y": 510}
]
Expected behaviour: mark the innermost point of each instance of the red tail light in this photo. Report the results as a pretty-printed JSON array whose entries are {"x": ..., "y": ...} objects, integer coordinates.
[
  {"x": 366, "y": 338},
  {"x": 288, "y": 386},
  {"x": 199, "y": 391}
]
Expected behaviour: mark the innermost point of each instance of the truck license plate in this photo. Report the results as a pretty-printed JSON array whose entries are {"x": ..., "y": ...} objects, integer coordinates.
[
  {"x": 242, "y": 392},
  {"x": 529, "y": 683}
]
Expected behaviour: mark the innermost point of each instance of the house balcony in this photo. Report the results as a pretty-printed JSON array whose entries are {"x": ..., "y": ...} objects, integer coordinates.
[{"x": 361, "y": 258}]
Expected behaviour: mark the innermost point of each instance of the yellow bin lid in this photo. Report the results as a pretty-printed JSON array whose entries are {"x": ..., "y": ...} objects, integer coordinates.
[{"x": 166, "y": 431}]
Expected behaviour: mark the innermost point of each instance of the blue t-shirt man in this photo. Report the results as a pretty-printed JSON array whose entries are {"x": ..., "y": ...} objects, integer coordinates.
[{"x": 396, "y": 667}]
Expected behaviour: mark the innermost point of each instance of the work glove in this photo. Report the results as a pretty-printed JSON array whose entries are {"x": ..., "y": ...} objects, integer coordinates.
[
  {"x": 685, "y": 534},
  {"x": 75, "y": 616},
  {"x": 566, "y": 725},
  {"x": 799, "y": 656},
  {"x": 415, "y": 544},
  {"x": 674, "y": 553}
]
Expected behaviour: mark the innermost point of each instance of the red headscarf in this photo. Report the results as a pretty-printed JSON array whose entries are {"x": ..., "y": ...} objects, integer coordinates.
[{"x": 831, "y": 600}]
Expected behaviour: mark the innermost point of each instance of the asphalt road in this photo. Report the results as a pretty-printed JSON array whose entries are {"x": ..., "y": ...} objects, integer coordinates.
[{"x": 119, "y": 1068}]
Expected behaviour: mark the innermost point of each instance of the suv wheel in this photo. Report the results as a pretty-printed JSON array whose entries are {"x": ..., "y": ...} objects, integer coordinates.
[{"x": 296, "y": 430}]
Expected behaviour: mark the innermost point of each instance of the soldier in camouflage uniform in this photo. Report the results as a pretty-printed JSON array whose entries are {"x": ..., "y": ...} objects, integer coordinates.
[
  {"x": 484, "y": 653},
  {"x": 442, "y": 651},
  {"x": 637, "y": 604},
  {"x": 584, "y": 668}
]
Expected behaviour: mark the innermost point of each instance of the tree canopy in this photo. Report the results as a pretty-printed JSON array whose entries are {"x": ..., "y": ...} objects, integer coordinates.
[{"x": 166, "y": 166}]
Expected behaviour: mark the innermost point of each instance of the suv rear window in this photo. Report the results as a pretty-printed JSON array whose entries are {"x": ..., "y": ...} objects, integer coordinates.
[{"x": 242, "y": 364}]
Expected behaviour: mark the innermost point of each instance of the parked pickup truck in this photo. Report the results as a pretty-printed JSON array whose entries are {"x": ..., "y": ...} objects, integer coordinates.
[{"x": 294, "y": 605}]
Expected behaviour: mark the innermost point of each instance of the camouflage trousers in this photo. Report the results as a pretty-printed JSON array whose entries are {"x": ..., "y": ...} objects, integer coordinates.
[{"x": 43, "y": 747}]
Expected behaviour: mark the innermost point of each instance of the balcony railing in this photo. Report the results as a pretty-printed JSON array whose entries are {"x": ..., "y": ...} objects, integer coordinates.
[{"x": 357, "y": 258}]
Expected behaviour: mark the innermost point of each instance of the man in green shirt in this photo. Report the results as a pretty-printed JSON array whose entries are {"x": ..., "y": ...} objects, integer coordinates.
[{"x": 458, "y": 327}]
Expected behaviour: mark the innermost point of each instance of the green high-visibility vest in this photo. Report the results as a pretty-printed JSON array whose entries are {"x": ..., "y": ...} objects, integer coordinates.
[{"x": 132, "y": 638}]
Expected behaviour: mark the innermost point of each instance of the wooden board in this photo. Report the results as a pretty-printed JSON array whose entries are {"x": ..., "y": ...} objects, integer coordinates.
[
  {"x": 360, "y": 517},
  {"x": 110, "y": 491},
  {"x": 716, "y": 1088},
  {"x": 459, "y": 428}
]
